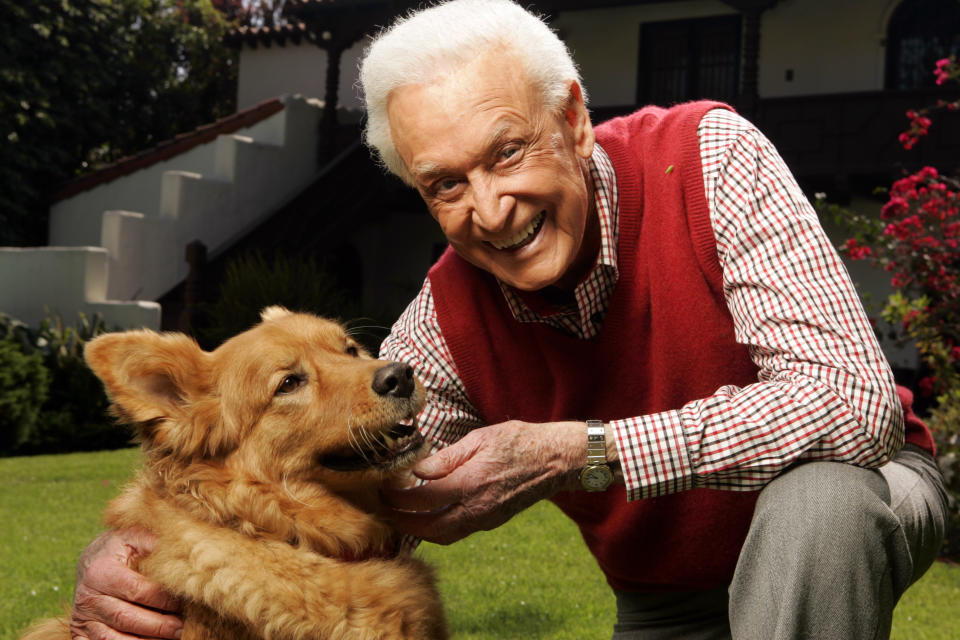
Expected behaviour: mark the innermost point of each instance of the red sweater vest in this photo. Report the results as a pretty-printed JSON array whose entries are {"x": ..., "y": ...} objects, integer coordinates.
[{"x": 667, "y": 339}]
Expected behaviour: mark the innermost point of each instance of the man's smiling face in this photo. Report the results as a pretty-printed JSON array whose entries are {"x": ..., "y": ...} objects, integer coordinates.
[{"x": 506, "y": 179}]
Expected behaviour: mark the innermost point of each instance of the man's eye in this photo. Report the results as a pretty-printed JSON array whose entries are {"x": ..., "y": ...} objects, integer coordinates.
[
  {"x": 446, "y": 186},
  {"x": 510, "y": 153},
  {"x": 290, "y": 384}
]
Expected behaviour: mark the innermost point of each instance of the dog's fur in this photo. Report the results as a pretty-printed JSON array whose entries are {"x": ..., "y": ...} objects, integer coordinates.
[{"x": 266, "y": 517}]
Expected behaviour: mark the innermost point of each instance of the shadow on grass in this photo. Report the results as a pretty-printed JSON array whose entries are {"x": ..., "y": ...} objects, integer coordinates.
[{"x": 516, "y": 621}]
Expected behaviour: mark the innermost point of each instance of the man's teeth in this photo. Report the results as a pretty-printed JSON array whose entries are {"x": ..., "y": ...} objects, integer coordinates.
[{"x": 521, "y": 236}]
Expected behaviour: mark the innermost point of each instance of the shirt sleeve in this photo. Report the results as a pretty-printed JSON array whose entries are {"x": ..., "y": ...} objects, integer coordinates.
[
  {"x": 824, "y": 392},
  {"x": 415, "y": 339}
]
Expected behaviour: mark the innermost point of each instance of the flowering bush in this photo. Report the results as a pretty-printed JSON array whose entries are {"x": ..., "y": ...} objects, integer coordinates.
[
  {"x": 947, "y": 69},
  {"x": 917, "y": 240}
]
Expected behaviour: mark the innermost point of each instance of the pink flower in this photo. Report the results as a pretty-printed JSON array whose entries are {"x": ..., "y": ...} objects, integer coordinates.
[
  {"x": 896, "y": 207},
  {"x": 904, "y": 186},
  {"x": 856, "y": 250},
  {"x": 933, "y": 208},
  {"x": 926, "y": 386}
]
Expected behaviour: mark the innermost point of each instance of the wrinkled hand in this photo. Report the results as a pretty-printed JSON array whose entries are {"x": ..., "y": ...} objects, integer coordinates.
[
  {"x": 114, "y": 602},
  {"x": 486, "y": 478}
]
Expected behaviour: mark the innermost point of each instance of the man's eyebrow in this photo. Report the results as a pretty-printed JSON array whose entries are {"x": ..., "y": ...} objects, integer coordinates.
[
  {"x": 427, "y": 171},
  {"x": 496, "y": 137}
]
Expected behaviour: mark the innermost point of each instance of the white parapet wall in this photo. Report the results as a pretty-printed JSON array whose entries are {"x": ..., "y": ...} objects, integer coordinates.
[
  {"x": 213, "y": 193},
  {"x": 37, "y": 282},
  {"x": 118, "y": 246}
]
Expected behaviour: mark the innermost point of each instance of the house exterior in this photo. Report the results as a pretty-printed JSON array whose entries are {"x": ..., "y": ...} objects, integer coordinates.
[{"x": 828, "y": 82}]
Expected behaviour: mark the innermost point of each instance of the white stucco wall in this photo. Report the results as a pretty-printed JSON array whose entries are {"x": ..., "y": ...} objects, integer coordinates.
[
  {"x": 832, "y": 47},
  {"x": 75, "y": 221},
  {"x": 268, "y": 72},
  {"x": 605, "y": 43},
  {"x": 40, "y": 281},
  {"x": 122, "y": 243}
]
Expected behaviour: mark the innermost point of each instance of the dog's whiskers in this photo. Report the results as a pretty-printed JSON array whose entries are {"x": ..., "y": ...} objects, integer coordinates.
[
  {"x": 354, "y": 438},
  {"x": 375, "y": 330},
  {"x": 290, "y": 495}
]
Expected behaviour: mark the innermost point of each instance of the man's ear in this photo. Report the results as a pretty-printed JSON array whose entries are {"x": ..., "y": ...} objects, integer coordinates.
[
  {"x": 148, "y": 376},
  {"x": 577, "y": 116}
]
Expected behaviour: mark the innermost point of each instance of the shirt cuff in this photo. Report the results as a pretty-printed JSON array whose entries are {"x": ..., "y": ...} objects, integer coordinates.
[{"x": 653, "y": 454}]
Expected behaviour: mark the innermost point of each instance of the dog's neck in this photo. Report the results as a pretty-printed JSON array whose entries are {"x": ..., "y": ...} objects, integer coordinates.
[{"x": 299, "y": 513}]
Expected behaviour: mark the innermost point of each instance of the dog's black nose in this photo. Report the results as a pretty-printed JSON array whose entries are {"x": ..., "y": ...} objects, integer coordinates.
[{"x": 395, "y": 379}]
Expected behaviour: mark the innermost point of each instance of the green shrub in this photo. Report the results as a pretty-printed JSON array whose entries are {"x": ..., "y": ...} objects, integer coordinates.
[
  {"x": 251, "y": 282},
  {"x": 73, "y": 414},
  {"x": 944, "y": 422},
  {"x": 24, "y": 382}
]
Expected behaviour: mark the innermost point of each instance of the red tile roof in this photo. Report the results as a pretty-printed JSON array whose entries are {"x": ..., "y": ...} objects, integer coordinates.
[
  {"x": 253, "y": 36},
  {"x": 169, "y": 148}
]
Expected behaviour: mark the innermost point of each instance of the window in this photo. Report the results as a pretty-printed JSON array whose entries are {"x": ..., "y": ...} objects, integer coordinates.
[
  {"x": 920, "y": 33},
  {"x": 689, "y": 59}
]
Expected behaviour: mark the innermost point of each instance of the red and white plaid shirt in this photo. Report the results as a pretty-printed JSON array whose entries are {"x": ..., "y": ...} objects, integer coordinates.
[{"x": 824, "y": 389}]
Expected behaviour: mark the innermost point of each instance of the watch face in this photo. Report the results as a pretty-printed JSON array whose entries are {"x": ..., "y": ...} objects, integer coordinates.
[{"x": 596, "y": 478}]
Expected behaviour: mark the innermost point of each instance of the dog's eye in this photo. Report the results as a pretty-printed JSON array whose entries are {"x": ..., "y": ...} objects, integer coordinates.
[
  {"x": 353, "y": 351},
  {"x": 290, "y": 384}
]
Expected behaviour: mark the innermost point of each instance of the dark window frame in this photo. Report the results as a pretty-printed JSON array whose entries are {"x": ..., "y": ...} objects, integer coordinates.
[
  {"x": 693, "y": 85},
  {"x": 932, "y": 29}
]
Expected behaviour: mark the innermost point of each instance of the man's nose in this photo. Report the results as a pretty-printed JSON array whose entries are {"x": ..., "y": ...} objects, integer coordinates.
[{"x": 491, "y": 207}]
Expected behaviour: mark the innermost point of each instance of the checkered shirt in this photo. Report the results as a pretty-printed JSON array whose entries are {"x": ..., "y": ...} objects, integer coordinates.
[{"x": 824, "y": 390}]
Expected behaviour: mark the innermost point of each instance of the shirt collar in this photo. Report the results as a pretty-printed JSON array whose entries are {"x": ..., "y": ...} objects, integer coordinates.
[{"x": 593, "y": 292}]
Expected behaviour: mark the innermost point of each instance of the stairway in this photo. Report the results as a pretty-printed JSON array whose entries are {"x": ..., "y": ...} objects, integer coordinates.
[{"x": 117, "y": 237}]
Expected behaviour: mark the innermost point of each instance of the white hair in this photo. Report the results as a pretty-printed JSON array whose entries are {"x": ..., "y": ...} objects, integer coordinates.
[{"x": 429, "y": 44}]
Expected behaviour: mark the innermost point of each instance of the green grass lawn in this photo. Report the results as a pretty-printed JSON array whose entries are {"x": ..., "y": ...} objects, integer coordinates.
[{"x": 531, "y": 578}]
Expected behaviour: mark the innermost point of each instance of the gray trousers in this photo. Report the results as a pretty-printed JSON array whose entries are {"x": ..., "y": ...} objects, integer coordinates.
[{"x": 831, "y": 549}]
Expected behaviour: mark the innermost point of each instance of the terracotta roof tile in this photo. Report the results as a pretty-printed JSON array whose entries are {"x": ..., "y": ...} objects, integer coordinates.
[{"x": 254, "y": 36}]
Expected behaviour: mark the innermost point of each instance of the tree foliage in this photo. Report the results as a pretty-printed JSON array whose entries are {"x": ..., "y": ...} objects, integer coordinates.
[
  {"x": 253, "y": 13},
  {"x": 86, "y": 82}
]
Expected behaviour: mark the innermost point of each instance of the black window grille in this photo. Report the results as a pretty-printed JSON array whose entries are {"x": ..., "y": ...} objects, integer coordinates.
[
  {"x": 689, "y": 59},
  {"x": 920, "y": 32}
]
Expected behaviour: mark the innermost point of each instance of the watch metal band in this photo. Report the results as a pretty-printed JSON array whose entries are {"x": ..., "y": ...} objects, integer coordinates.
[{"x": 596, "y": 443}]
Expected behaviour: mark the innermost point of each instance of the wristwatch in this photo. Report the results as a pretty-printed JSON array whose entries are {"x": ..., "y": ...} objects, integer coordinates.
[{"x": 596, "y": 476}]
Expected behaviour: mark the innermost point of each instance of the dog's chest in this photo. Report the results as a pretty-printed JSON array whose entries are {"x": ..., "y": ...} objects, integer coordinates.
[{"x": 201, "y": 623}]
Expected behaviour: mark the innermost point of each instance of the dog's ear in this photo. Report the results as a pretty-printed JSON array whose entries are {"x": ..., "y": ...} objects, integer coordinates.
[
  {"x": 274, "y": 312},
  {"x": 152, "y": 379}
]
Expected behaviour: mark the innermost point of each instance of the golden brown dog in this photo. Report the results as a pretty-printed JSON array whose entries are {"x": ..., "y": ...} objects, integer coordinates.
[{"x": 262, "y": 461}]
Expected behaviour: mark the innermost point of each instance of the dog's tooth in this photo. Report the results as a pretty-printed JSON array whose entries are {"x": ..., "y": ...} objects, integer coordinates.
[{"x": 389, "y": 441}]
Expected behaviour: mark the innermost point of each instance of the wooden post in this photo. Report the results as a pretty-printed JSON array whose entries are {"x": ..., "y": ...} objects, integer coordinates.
[
  {"x": 328, "y": 121},
  {"x": 196, "y": 256},
  {"x": 749, "y": 88}
]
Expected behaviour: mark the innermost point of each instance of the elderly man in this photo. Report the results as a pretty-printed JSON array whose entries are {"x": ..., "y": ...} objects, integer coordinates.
[{"x": 642, "y": 322}]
